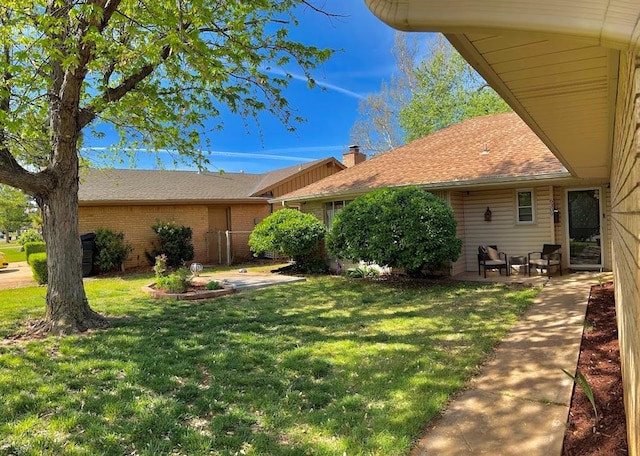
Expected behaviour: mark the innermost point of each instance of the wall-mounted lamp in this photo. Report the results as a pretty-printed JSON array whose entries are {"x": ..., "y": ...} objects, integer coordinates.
[{"x": 487, "y": 215}]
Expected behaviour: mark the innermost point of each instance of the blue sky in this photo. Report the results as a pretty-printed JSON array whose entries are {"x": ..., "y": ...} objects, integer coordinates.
[{"x": 362, "y": 60}]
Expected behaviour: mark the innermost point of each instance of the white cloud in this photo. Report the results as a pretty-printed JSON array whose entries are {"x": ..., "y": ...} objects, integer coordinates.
[
  {"x": 289, "y": 153},
  {"x": 326, "y": 85}
]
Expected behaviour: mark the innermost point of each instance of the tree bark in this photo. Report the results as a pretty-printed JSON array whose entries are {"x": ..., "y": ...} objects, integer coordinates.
[{"x": 67, "y": 308}]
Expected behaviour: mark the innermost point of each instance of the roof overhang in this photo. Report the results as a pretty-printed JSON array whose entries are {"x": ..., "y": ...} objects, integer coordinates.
[
  {"x": 559, "y": 179},
  {"x": 554, "y": 61},
  {"x": 181, "y": 202}
]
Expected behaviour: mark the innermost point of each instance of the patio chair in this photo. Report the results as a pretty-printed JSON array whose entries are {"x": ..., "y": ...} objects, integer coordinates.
[
  {"x": 549, "y": 257},
  {"x": 490, "y": 258}
]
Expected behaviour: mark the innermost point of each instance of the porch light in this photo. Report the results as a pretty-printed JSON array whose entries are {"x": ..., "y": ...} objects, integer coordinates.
[{"x": 487, "y": 215}]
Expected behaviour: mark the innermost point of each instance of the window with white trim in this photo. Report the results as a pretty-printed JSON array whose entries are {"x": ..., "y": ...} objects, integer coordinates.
[
  {"x": 525, "y": 207},
  {"x": 332, "y": 209}
]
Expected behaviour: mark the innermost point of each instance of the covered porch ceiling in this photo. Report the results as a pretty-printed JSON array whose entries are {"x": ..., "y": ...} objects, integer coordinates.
[{"x": 554, "y": 61}]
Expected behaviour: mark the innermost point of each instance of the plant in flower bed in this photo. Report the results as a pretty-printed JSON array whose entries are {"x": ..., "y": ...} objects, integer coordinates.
[
  {"x": 323, "y": 367},
  {"x": 174, "y": 282},
  {"x": 213, "y": 285}
]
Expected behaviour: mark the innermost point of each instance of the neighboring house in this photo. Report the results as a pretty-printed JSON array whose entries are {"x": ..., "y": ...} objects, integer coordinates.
[
  {"x": 571, "y": 70},
  {"x": 504, "y": 185},
  {"x": 212, "y": 204}
]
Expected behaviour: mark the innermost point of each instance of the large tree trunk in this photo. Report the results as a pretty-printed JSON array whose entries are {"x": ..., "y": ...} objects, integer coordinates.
[{"x": 67, "y": 308}]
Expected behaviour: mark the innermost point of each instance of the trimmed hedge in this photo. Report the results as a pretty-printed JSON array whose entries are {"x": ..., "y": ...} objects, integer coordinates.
[
  {"x": 34, "y": 247},
  {"x": 38, "y": 263}
]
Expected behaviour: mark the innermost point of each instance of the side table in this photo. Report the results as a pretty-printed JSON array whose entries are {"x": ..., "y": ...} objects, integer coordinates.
[{"x": 519, "y": 263}]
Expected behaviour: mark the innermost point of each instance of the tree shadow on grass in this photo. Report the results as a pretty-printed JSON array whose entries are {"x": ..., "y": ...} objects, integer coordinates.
[{"x": 309, "y": 368}]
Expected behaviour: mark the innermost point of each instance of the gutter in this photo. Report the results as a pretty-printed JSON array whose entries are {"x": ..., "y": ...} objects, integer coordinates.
[
  {"x": 448, "y": 185},
  {"x": 208, "y": 202}
]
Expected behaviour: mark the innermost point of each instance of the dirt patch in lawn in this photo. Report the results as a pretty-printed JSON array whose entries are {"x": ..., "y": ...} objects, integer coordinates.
[{"x": 599, "y": 362}]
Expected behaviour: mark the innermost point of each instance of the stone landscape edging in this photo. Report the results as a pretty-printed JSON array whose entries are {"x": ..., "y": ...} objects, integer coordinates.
[{"x": 188, "y": 296}]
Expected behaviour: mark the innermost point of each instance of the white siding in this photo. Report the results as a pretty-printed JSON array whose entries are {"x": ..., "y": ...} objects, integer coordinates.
[
  {"x": 456, "y": 200},
  {"x": 502, "y": 230}
]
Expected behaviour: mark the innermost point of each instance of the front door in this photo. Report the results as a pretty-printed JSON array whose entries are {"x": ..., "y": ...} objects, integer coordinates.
[{"x": 585, "y": 236}]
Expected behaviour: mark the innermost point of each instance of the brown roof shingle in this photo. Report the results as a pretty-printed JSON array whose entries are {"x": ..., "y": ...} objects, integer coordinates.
[
  {"x": 451, "y": 156},
  {"x": 137, "y": 185}
]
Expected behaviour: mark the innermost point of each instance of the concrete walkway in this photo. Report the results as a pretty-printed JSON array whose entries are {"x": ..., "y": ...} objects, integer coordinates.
[
  {"x": 249, "y": 280},
  {"x": 519, "y": 403}
]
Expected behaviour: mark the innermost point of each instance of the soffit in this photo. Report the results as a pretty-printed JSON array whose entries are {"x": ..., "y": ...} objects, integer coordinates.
[
  {"x": 564, "y": 90},
  {"x": 607, "y": 23},
  {"x": 554, "y": 61}
]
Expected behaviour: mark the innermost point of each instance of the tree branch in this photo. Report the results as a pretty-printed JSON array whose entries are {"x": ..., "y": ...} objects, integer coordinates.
[
  {"x": 87, "y": 115},
  {"x": 11, "y": 173}
]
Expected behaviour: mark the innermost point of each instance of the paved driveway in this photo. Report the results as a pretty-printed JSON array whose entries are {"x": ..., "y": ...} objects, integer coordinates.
[{"x": 16, "y": 275}]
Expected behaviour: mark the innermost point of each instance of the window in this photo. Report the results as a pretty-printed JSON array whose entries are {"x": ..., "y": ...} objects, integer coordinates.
[
  {"x": 525, "y": 206},
  {"x": 332, "y": 209}
]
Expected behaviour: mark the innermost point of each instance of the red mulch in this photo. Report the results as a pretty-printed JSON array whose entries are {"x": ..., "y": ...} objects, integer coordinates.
[{"x": 599, "y": 362}]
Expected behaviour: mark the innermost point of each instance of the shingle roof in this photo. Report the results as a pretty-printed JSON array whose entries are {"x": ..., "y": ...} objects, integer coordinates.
[
  {"x": 451, "y": 156},
  {"x": 136, "y": 185}
]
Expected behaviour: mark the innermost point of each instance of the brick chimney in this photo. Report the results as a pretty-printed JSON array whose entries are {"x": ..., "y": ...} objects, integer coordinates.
[{"x": 353, "y": 156}]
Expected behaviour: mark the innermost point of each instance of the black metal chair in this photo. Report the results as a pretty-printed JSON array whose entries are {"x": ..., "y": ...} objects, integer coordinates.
[
  {"x": 549, "y": 257},
  {"x": 490, "y": 258}
]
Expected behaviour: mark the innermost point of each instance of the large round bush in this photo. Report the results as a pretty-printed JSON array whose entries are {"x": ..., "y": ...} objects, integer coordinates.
[
  {"x": 399, "y": 227},
  {"x": 289, "y": 232}
]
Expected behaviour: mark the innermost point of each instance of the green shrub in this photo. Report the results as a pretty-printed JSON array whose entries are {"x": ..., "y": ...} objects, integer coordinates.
[
  {"x": 38, "y": 263},
  {"x": 291, "y": 233},
  {"x": 34, "y": 247},
  {"x": 174, "y": 241},
  {"x": 30, "y": 236},
  {"x": 111, "y": 250},
  {"x": 362, "y": 272},
  {"x": 213, "y": 285},
  {"x": 177, "y": 282},
  {"x": 398, "y": 227}
]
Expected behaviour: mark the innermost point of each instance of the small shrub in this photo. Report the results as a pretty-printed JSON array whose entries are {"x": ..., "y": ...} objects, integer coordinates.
[
  {"x": 34, "y": 247},
  {"x": 177, "y": 282},
  {"x": 363, "y": 272},
  {"x": 111, "y": 250},
  {"x": 213, "y": 285},
  {"x": 291, "y": 233},
  {"x": 38, "y": 263},
  {"x": 30, "y": 236},
  {"x": 174, "y": 241}
]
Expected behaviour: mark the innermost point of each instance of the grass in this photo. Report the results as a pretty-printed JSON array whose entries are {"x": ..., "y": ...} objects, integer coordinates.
[
  {"x": 330, "y": 366},
  {"x": 13, "y": 252}
]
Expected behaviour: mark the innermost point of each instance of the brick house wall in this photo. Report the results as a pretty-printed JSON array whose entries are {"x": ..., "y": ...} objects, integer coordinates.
[
  {"x": 135, "y": 222},
  {"x": 243, "y": 218}
]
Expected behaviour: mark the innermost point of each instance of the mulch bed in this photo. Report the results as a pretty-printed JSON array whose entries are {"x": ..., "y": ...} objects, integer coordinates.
[{"x": 599, "y": 362}]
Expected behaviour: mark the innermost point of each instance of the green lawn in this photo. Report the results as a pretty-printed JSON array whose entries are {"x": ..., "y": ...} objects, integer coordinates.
[
  {"x": 326, "y": 367},
  {"x": 13, "y": 251}
]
